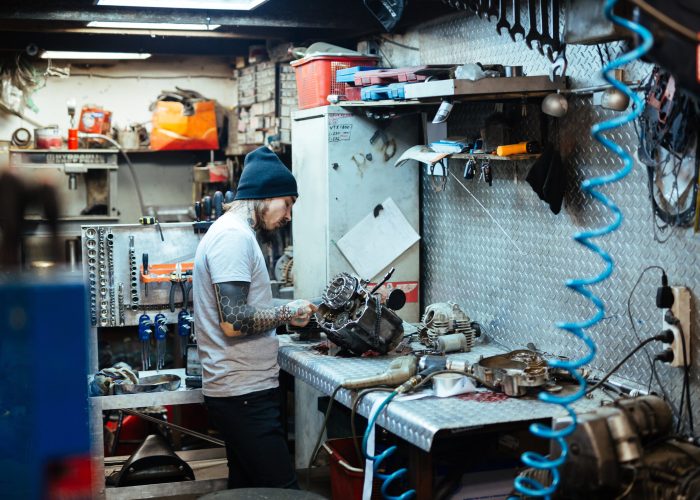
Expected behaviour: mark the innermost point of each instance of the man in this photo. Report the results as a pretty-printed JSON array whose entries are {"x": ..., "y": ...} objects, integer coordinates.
[{"x": 236, "y": 321}]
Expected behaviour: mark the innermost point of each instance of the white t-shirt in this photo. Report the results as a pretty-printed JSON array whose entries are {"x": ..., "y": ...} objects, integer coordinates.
[{"x": 232, "y": 366}]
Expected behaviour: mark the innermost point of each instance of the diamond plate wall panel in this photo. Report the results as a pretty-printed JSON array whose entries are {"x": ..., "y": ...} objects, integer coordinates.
[{"x": 516, "y": 290}]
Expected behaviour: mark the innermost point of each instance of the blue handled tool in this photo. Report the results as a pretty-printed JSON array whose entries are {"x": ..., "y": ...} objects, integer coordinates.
[
  {"x": 161, "y": 330},
  {"x": 145, "y": 330},
  {"x": 184, "y": 328}
]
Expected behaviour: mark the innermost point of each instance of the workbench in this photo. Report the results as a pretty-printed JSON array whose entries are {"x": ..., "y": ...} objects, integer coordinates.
[{"x": 422, "y": 423}]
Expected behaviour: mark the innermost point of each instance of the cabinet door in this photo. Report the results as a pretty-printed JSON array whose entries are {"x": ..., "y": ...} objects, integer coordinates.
[
  {"x": 310, "y": 213},
  {"x": 362, "y": 175}
]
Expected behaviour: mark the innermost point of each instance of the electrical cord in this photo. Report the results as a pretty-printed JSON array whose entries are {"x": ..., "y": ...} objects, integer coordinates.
[
  {"x": 652, "y": 363},
  {"x": 663, "y": 338},
  {"x": 132, "y": 171}
]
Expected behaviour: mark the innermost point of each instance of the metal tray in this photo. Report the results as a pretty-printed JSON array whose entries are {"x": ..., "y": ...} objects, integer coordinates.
[{"x": 153, "y": 383}]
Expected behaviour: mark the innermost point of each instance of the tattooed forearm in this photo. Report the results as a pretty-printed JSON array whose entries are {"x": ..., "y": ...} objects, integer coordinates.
[{"x": 238, "y": 319}]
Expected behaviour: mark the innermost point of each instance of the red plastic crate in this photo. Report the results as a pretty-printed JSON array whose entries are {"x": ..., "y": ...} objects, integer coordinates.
[{"x": 316, "y": 77}]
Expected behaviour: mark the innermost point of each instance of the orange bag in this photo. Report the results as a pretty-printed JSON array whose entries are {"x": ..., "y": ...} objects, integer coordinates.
[{"x": 173, "y": 130}]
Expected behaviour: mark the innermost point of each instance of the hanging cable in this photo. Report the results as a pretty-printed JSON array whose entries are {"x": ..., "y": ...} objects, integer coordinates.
[
  {"x": 379, "y": 458},
  {"x": 538, "y": 461}
]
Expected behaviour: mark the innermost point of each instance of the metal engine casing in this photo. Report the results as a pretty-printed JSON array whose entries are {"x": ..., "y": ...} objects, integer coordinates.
[
  {"x": 513, "y": 373},
  {"x": 445, "y": 318},
  {"x": 627, "y": 450},
  {"x": 356, "y": 320}
]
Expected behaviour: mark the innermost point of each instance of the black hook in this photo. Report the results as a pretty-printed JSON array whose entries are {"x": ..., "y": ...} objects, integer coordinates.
[{"x": 378, "y": 209}]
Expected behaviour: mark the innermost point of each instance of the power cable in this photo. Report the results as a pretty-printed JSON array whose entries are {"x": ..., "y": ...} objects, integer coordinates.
[{"x": 639, "y": 346}]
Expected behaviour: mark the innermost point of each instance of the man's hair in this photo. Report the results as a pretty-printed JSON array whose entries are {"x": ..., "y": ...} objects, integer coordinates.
[{"x": 258, "y": 207}]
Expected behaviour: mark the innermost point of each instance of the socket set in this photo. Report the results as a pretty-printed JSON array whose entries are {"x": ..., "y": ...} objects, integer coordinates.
[{"x": 112, "y": 270}]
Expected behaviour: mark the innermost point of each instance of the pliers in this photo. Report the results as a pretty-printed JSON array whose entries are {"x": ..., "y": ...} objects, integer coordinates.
[{"x": 178, "y": 278}]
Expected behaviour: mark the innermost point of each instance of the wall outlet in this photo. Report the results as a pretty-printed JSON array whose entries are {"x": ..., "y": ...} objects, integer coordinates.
[{"x": 681, "y": 310}]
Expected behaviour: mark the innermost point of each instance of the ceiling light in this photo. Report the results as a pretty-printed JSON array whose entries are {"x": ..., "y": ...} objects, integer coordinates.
[
  {"x": 153, "y": 26},
  {"x": 66, "y": 54},
  {"x": 187, "y": 4}
]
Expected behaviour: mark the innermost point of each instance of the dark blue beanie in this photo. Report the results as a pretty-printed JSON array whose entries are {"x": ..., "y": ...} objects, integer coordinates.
[{"x": 265, "y": 176}]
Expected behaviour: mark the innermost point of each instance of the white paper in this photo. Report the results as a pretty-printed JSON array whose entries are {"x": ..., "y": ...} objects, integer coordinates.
[{"x": 376, "y": 242}]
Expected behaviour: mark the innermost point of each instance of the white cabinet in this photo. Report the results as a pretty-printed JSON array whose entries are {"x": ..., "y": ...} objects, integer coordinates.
[{"x": 344, "y": 165}]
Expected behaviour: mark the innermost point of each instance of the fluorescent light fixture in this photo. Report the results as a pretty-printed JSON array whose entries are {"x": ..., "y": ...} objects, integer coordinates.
[
  {"x": 186, "y": 4},
  {"x": 152, "y": 26},
  {"x": 67, "y": 54}
]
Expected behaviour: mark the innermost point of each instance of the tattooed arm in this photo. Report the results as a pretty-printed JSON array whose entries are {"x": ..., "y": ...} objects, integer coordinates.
[{"x": 238, "y": 319}]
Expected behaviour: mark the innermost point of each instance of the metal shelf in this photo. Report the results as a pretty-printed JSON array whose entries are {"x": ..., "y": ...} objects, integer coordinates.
[
  {"x": 488, "y": 156},
  {"x": 179, "y": 397}
]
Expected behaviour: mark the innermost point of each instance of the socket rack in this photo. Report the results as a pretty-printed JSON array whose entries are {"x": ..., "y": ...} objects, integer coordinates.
[{"x": 112, "y": 267}]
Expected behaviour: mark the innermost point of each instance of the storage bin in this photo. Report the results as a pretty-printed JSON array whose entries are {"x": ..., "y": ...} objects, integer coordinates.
[
  {"x": 347, "y": 478},
  {"x": 316, "y": 77}
]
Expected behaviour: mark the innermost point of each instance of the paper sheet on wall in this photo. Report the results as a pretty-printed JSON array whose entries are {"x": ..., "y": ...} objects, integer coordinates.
[{"x": 376, "y": 242}]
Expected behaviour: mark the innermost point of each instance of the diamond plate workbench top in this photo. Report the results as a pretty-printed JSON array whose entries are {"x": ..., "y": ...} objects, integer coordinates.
[{"x": 416, "y": 421}]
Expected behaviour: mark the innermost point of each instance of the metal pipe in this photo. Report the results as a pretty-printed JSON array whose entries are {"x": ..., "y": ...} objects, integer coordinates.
[{"x": 175, "y": 426}]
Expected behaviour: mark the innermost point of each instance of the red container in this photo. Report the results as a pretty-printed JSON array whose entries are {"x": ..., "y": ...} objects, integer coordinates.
[
  {"x": 72, "y": 138},
  {"x": 316, "y": 77},
  {"x": 347, "y": 476}
]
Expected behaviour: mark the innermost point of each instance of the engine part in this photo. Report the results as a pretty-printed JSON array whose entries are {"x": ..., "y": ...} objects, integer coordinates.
[
  {"x": 356, "y": 320},
  {"x": 627, "y": 449},
  {"x": 513, "y": 373},
  {"x": 447, "y": 318},
  {"x": 284, "y": 266},
  {"x": 399, "y": 371}
]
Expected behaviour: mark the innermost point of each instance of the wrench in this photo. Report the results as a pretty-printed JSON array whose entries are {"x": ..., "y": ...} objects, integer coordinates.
[
  {"x": 544, "y": 16},
  {"x": 516, "y": 27},
  {"x": 533, "y": 35},
  {"x": 492, "y": 9},
  {"x": 556, "y": 42},
  {"x": 503, "y": 17}
]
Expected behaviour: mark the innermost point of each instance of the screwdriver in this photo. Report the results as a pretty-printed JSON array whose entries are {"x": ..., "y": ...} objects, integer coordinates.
[
  {"x": 206, "y": 205},
  {"x": 228, "y": 197},
  {"x": 218, "y": 204},
  {"x": 144, "y": 258},
  {"x": 197, "y": 211}
]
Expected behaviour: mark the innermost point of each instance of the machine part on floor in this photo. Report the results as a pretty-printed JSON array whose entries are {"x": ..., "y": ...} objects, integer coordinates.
[
  {"x": 400, "y": 370},
  {"x": 356, "y": 320},
  {"x": 154, "y": 462},
  {"x": 627, "y": 449},
  {"x": 513, "y": 373},
  {"x": 447, "y": 318},
  {"x": 145, "y": 331},
  {"x": 153, "y": 383},
  {"x": 528, "y": 486},
  {"x": 160, "y": 333}
]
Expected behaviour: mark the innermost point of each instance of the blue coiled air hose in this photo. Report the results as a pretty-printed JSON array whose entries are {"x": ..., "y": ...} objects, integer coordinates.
[
  {"x": 378, "y": 459},
  {"x": 529, "y": 486}
]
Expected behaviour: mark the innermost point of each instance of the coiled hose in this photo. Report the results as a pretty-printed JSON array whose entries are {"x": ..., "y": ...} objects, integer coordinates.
[
  {"x": 378, "y": 459},
  {"x": 528, "y": 485}
]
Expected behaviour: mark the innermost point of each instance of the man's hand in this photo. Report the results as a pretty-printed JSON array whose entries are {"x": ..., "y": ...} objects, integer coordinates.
[{"x": 300, "y": 312}]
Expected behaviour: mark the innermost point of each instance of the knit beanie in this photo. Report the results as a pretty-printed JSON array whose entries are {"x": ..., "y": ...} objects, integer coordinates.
[{"x": 265, "y": 176}]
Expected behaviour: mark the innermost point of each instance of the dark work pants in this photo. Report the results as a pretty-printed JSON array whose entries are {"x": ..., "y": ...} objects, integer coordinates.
[{"x": 256, "y": 448}]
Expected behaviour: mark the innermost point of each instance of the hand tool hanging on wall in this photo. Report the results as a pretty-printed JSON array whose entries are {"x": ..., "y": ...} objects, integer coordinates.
[
  {"x": 533, "y": 36},
  {"x": 145, "y": 330},
  {"x": 149, "y": 221},
  {"x": 228, "y": 197},
  {"x": 206, "y": 208},
  {"x": 161, "y": 332},
  {"x": 184, "y": 328},
  {"x": 144, "y": 259},
  {"x": 502, "y": 17},
  {"x": 516, "y": 27},
  {"x": 133, "y": 275},
  {"x": 178, "y": 278},
  {"x": 218, "y": 202}
]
